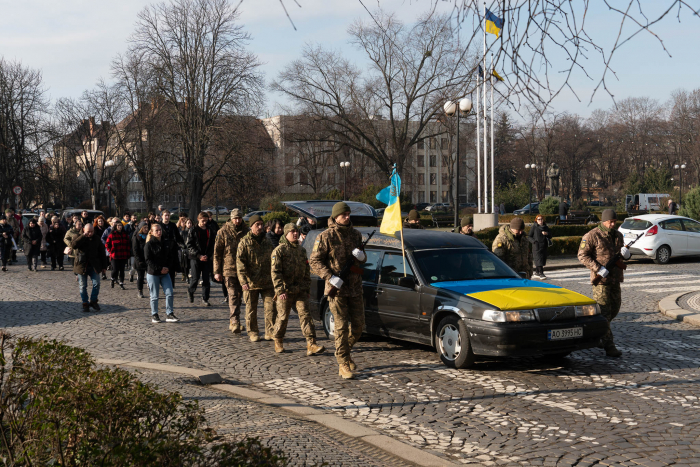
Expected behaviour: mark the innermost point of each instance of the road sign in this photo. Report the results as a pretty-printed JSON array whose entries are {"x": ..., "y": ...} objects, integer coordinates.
[{"x": 17, "y": 190}]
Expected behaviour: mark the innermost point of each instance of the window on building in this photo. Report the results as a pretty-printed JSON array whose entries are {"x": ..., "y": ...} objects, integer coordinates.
[
  {"x": 330, "y": 178},
  {"x": 445, "y": 179},
  {"x": 445, "y": 197},
  {"x": 421, "y": 179},
  {"x": 433, "y": 197},
  {"x": 289, "y": 179},
  {"x": 136, "y": 197},
  {"x": 421, "y": 145},
  {"x": 432, "y": 143},
  {"x": 421, "y": 196},
  {"x": 289, "y": 159},
  {"x": 433, "y": 179},
  {"x": 303, "y": 178},
  {"x": 421, "y": 160},
  {"x": 443, "y": 144},
  {"x": 135, "y": 178},
  {"x": 433, "y": 160}
]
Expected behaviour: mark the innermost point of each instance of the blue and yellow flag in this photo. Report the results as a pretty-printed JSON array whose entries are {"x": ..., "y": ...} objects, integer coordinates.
[
  {"x": 496, "y": 75},
  {"x": 391, "y": 223},
  {"x": 494, "y": 24}
]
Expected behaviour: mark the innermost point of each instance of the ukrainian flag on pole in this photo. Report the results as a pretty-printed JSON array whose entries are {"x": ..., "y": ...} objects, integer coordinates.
[{"x": 391, "y": 223}]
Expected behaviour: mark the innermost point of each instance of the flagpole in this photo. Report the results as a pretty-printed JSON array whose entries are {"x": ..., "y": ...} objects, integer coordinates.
[
  {"x": 478, "y": 145},
  {"x": 493, "y": 181},
  {"x": 486, "y": 178}
]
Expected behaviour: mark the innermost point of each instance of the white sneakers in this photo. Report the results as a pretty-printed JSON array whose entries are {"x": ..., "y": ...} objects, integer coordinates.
[{"x": 538, "y": 277}]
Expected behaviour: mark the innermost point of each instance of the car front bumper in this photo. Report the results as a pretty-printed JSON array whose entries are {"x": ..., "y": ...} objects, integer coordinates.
[{"x": 530, "y": 338}]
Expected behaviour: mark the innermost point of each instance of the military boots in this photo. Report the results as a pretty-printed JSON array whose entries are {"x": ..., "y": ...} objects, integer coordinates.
[
  {"x": 278, "y": 346},
  {"x": 235, "y": 327},
  {"x": 345, "y": 372},
  {"x": 611, "y": 351},
  {"x": 312, "y": 348}
]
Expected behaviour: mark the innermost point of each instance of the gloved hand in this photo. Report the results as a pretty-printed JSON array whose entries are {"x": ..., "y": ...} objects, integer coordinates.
[
  {"x": 602, "y": 272},
  {"x": 336, "y": 282},
  {"x": 359, "y": 254},
  {"x": 625, "y": 252}
]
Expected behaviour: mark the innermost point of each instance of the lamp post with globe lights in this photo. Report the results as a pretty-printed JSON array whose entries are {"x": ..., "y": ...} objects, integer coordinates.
[
  {"x": 345, "y": 165},
  {"x": 465, "y": 106},
  {"x": 529, "y": 168},
  {"x": 680, "y": 169}
]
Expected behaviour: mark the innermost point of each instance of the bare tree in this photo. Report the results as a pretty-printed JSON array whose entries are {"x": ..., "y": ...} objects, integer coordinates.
[
  {"x": 384, "y": 111},
  {"x": 22, "y": 125},
  {"x": 196, "y": 49}
]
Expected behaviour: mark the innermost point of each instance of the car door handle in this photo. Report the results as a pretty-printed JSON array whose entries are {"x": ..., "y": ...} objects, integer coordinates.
[{"x": 379, "y": 291}]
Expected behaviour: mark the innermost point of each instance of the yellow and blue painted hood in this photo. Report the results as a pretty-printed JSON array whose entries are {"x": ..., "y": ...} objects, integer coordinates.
[{"x": 516, "y": 294}]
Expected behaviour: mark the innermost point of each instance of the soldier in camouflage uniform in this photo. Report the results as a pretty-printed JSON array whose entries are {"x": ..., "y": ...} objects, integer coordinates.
[
  {"x": 598, "y": 247},
  {"x": 253, "y": 264},
  {"x": 225, "y": 250},
  {"x": 292, "y": 280},
  {"x": 513, "y": 247},
  {"x": 332, "y": 250},
  {"x": 413, "y": 221},
  {"x": 466, "y": 226}
]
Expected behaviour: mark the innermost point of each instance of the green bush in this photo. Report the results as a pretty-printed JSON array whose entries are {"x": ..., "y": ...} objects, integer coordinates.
[
  {"x": 691, "y": 204},
  {"x": 56, "y": 408},
  {"x": 528, "y": 219},
  {"x": 281, "y": 215},
  {"x": 564, "y": 246},
  {"x": 487, "y": 236},
  {"x": 549, "y": 206},
  {"x": 513, "y": 196},
  {"x": 369, "y": 196}
]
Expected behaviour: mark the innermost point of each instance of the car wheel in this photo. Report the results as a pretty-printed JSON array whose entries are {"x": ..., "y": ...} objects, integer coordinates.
[
  {"x": 328, "y": 322},
  {"x": 663, "y": 255},
  {"x": 452, "y": 343}
]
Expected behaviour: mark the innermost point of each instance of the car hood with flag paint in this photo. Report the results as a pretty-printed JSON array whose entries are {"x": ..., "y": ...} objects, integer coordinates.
[{"x": 516, "y": 294}]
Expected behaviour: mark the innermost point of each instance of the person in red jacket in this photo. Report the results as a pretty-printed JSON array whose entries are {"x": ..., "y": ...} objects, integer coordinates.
[{"x": 119, "y": 248}]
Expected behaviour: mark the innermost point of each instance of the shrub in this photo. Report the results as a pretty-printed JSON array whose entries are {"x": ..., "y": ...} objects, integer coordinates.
[
  {"x": 281, "y": 215},
  {"x": 513, "y": 196},
  {"x": 549, "y": 206},
  {"x": 691, "y": 204},
  {"x": 369, "y": 196},
  {"x": 487, "y": 236},
  {"x": 564, "y": 246},
  {"x": 57, "y": 408}
]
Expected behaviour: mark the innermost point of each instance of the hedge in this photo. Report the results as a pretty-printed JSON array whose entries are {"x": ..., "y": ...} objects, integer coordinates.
[
  {"x": 281, "y": 215},
  {"x": 564, "y": 246},
  {"x": 58, "y": 408}
]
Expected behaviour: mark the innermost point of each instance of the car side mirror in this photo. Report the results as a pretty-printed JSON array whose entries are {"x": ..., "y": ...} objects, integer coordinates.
[
  {"x": 523, "y": 274},
  {"x": 407, "y": 282}
]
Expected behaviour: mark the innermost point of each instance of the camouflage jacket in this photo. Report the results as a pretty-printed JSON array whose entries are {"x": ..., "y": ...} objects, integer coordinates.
[
  {"x": 253, "y": 262},
  {"x": 332, "y": 250},
  {"x": 515, "y": 253},
  {"x": 16, "y": 231},
  {"x": 290, "y": 269},
  {"x": 598, "y": 247},
  {"x": 226, "y": 248}
]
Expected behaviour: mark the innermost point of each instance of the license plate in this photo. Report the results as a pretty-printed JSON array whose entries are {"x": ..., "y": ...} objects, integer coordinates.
[{"x": 568, "y": 333}]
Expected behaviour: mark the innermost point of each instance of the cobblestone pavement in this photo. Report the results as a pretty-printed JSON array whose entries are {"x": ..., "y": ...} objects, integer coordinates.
[
  {"x": 303, "y": 443},
  {"x": 690, "y": 301},
  {"x": 585, "y": 410}
]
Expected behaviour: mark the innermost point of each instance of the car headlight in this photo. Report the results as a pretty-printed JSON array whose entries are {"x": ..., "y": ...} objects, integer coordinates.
[
  {"x": 509, "y": 316},
  {"x": 587, "y": 310}
]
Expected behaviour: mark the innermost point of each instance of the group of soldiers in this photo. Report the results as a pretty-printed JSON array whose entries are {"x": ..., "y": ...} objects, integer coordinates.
[
  {"x": 251, "y": 268},
  {"x": 598, "y": 247}
]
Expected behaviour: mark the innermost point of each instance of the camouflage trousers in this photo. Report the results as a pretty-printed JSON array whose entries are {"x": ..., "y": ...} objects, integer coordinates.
[
  {"x": 235, "y": 294},
  {"x": 284, "y": 307},
  {"x": 349, "y": 316},
  {"x": 251, "y": 310},
  {"x": 609, "y": 298}
]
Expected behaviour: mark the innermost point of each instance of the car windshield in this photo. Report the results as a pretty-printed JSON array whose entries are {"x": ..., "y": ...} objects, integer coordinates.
[
  {"x": 461, "y": 264},
  {"x": 635, "y": 224}
]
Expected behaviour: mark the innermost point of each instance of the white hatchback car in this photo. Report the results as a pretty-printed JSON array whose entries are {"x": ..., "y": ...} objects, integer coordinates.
[{"x": 663, "y": 236}]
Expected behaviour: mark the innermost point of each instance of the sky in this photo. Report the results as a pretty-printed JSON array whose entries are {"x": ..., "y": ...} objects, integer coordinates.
[{"x": 74, "y": 41}]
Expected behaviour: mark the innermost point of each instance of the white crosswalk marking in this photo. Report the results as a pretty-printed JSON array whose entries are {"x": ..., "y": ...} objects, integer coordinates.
[{"x": 665, "y": 282}]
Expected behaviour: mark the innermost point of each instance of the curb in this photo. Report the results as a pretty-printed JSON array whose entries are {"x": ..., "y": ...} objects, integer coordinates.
[
  {"x": 669, "y": 306},
  {"x": 556, "y": 267},
  {"x": 410, "y": 454}
]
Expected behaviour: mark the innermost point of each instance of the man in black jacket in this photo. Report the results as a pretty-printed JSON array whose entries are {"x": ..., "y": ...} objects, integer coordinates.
[
  {"x": 90, "y": 260},
  {"x": 200, "y": 246},
  {"x": 172, "y": 242}
]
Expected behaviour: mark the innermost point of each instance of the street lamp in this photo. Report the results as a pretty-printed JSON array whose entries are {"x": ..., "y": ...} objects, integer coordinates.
[
  {"x": 465, "y": 106},
  {"x": 681, "y": 167},
  {"x": 344, "y": 165},
  {"x": 109, "y": 163},
  {"x": 529, "y": 167}
]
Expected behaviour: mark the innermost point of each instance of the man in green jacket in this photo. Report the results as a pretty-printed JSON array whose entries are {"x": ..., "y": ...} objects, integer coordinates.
[
  {"x": 292, "y": 280},
  {"x": 253, "y": 264},
  {"x": 225, "y": 251}
]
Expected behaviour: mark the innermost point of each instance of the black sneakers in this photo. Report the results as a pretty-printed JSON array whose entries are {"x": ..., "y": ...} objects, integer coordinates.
[
  {"x": 171, "y": 318},
  {"x": 155, "y": 319},
  {"x": 205, "y": 303},
  {"x": 140, "y": 294},
  {"x": 191, "y": 295}
]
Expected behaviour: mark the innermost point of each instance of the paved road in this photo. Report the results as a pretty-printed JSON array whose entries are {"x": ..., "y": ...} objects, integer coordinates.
[{"x": 642, "y": 409}]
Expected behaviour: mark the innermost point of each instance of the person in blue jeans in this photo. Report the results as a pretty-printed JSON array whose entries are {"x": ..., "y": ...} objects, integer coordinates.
[
  {"x": 89, "y": 260},
  {"x": 157, "y": 274}
]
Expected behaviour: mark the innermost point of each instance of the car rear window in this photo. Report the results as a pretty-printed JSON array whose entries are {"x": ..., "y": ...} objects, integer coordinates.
[{"x": 635, "y": 224}]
